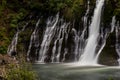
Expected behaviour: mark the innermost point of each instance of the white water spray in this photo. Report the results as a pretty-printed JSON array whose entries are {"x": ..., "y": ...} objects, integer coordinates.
[
  {"x": 117, "y": 29},
  {"x": 48, "y": 36},
  {"x": 113, "y": 24},
  {"x": 89, "y": 55}
]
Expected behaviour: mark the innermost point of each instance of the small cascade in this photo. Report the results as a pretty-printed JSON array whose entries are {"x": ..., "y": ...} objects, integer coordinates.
[
  {"x": 62, "y": 33},
  {"x": 60, "y": 41},
  {"x": 85, "y": 18},
  {"x": 79, "y": 39},
  {"x": 89, "y": 55},
  {"x": 103, "y": 37},
  {"x": 102, "y": 42},
  {"x": 56, "y": 31},
  {"x": 12, "y": 48},
  {"x": 66, "y": 32},
  {"x": 82, "y": 40},
  {"x": 34, "y": 40},
  {"x": 76, "y": 41},
  {"x": 113, "y": 24},
  {"x": 48, "y": 36},
  {"x": 117, "y": 29}
]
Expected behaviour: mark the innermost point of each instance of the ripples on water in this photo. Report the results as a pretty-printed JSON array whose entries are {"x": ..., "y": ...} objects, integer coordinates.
[{"x": 69, "y": 71}]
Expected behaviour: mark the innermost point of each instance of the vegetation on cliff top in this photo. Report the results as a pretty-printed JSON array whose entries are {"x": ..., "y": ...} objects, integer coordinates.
[{"x": 11, "y": 69}]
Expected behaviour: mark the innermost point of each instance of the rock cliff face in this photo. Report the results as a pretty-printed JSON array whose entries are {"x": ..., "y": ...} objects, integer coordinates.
[{"x": 18, "y": 22}]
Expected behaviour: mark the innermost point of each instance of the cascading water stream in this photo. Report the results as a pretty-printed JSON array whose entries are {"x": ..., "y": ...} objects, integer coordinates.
[
  {"x": 66, "y": 32},
  {"x": 34, "y": 39},
  {"x": 62, "y": 42},
  {"x": 76, "y": 41},
  {"x": 113, "y": 24},
  {"x": 62, "y": 31},
  {"x": 82, "y": 40},
  {"x": 103, "y": 36},
  {"x": 89, "y": 55},
  {"x": 56, "y": 29},
  {"x": 48, "y": 36},
  {"x": 117, "y": 46},
  {"x": 12, "y": 47},
  {"x": 79, "y": 40}
]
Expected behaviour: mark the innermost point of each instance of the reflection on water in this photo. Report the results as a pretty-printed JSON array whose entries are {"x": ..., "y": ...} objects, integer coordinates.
[{"x": 66, "y": 72}]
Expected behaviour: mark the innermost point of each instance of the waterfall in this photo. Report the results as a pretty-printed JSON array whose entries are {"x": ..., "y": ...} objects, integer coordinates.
[
  {"x": 12, "y": 48},
  {"x": 76, "y": 41},
  {"x": 48, "y": 36},
  {"x": 61, "y": 33},
  {"x": 54, "y": 39},
  {"x": 113, "y": 24},
  {"x": 79, "y": 39},
  {"x": 117, "y": 29},
  {"x": 34, "y": 40},
  {"x": 89, "y": 54},
  {"x": 56, "y": 31},
  {"x": 82, "y": 40}
]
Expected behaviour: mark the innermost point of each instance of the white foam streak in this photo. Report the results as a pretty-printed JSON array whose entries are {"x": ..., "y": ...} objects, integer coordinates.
[{"x": 89, "y": 55}]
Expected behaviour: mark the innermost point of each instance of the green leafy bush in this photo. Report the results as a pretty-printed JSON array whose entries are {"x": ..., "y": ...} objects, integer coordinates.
[
  {"x": 3, "y": 49},
  {"x": 2, "y": 6},
  {"x": 20, "y": 71}
]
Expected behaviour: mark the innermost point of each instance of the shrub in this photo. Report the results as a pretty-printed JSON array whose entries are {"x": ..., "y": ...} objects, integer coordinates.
[
  {"x": 3, "y": 49},
  {"x": 20, "y": 71}
]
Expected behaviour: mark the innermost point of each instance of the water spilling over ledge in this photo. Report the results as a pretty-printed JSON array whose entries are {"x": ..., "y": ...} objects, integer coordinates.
[
  {"x": 89, "y": 55},
  {"x": 54, "y": 40}
]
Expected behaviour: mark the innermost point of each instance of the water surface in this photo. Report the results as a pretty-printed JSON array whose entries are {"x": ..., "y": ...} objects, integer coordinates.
[{"x": 73, "y": 72}]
